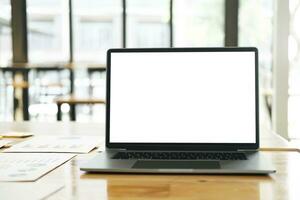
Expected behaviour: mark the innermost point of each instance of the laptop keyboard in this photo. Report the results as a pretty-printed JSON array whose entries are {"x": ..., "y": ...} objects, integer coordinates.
[{"x": 181, "y": 155}]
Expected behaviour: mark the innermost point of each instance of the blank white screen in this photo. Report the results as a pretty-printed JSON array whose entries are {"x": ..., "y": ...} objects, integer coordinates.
[{"x": 176, "y": 97}]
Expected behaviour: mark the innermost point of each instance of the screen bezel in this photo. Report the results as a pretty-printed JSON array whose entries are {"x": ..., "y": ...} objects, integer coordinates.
[{"x": 181, "y": 146}]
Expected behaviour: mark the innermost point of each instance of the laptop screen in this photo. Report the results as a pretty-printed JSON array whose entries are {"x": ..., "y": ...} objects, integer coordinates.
[{"x": 182, "y": 97}]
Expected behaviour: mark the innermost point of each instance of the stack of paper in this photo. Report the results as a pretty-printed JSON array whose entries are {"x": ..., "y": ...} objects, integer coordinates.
[
  {"x": 29, "y": 166},
  {"x": 30, "y": 190},
  {"x": 62, "y": 144}
]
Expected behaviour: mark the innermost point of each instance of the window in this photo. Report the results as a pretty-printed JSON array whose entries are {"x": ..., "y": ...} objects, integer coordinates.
[
  {"x": 5, "y": 33},
  {"x": 255, "y": 29},
  {"x": 148, "y": 23},
  {"x": 294, "y": 59},
  {"x": 198, "y": 23},
  {"x": 96, "y": 27},
  {"x": 48, "y": 30}
]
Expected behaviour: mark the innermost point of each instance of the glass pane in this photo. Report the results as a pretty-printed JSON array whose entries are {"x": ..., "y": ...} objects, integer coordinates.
[
  {"x": 294, "y": 76},
  {"x": 48, "y": 30},
  {"x": 148, "y": 23},
  {"x": 96, "y": 28},
  {"x": 255, "y": 29},
  {"x": 5, "y": 33},
  {"x": 198, "y": 23}
]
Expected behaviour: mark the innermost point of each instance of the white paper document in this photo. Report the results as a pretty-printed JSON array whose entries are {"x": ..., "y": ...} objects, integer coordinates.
[
  {"x": 29, "y": 190},
  {"x": 57, "y": 144},
  {"x": 29, "y": 166}
]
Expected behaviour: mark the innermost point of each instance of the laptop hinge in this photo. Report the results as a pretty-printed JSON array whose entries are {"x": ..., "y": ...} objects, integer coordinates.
[
  {"x": 133, "y": 149},
  {"x": 117, "y": 149},
  {"x": 247, "y": 150}
]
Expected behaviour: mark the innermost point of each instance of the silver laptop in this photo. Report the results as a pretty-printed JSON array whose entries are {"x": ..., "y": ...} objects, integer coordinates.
[{"x": 182, "y": 110}]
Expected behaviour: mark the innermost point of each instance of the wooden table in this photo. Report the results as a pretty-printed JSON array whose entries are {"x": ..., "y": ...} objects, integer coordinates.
[
  {"x": 73, "y": 101},
  {"x": 269, "y": 141},
  {"x": 78, "y": 185}
]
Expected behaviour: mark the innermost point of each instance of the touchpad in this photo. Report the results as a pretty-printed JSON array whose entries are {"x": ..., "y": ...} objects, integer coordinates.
[{"x": 142, "y": 164}]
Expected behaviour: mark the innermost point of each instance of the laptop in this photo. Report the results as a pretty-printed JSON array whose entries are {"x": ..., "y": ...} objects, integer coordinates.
[{"x": 182, "y": 110}]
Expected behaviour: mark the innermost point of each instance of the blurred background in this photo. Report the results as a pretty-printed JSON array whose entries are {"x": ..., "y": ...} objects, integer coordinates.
[{"x": 53, "y": 52}]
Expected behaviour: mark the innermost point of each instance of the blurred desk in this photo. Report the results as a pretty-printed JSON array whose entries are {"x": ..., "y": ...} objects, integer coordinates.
[
  {"x": 91, "y": 68},
  {"x": 53, "y": 67},
  {"x": 79, "y": 185},
  {"x": 23, "y": 85},
  {"x": 50, "y": 66},
  {"x": 73, "y": 101},
  {"x": 25, "y": 68},
  {"x": 96, "y": 68}
]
